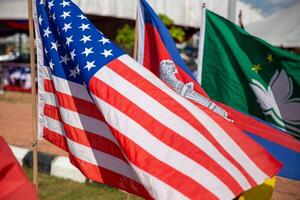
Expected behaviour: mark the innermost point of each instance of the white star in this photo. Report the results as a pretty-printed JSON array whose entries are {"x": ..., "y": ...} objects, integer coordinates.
[
  {"x": 46, "y": 51},
  {"x": 87, "y": 51},
  {"x": 55, "y": 45},
  {"x": 41, "y": 2},
  {"x": 53, "y": 16},
  {"x": 69, "y": 40},
  {"x": 50, "y": 4},
  {"x": 81, "y": 16},
  {"x": 40, "y": 20},
  {"x": 66, "y": 27},
  {"x": 73, "y": 72},
  {"x": 72, "y": 53},
  {"x": 64, "y": 59},
  {"x": 84, "y": 26},
  {"x": 66, "y": 14},
  {"x": 51, "y": 64},
  {"x": 90, "y": 65},
  {"x": 107, "y": 53},
  {"x": 65, "y": 3},
  {"x": 104, "y": 40},
  {"x": 47, "y": 32},
  {"x": 86, "y": 38},
  {"x": 77, "y": 69}
]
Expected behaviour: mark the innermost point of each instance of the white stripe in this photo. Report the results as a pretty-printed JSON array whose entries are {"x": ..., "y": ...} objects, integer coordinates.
[
  {"x": 141, "y": 33},
  {"x": 163, "y": 152},
  {"x": 102, "y": 159},
  {"x": 40, "y": 75},
  {"x": 214, "y": 128},
  {"x": 170, "y": 120},
  {"x": 71, "y": 88},
  {"x": 81, "y": 121},
  {"x": 55, "y": 126},
  {"x": 50, "y": 99},
  {"x": 157, "y": 188},
  {"x": 93, "y": 156}
]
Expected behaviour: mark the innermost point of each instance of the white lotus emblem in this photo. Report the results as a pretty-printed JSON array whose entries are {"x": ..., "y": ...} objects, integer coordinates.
[{"x": 276, "y": 100}]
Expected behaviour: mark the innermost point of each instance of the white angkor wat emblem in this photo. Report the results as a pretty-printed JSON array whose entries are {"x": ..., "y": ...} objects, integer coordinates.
[
  {"x": 167, "y": 74},
  {"x": 276, "y": 101}
]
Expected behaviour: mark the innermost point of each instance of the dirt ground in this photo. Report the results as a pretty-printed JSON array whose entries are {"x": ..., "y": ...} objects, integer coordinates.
[
  {"x": 16, "y": 122},
  {"x": 16, "y": 128}
]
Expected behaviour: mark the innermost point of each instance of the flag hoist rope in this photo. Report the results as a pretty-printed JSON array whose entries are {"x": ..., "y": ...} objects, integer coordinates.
[{"x": 33, "y": 94}]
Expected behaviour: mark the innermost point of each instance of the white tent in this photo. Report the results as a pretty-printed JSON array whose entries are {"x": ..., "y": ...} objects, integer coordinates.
[
  {"x": 182, "y": 12},
  {"x": 280, "y": 29}
]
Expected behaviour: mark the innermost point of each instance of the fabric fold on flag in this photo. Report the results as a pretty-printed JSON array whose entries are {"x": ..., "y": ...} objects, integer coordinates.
[
  {"x": 122, "y": 126},
  {"x": 163, "y": 59}
]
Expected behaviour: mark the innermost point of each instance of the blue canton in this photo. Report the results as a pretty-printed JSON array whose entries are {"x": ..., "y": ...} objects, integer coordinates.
[{"x": 73, "y": 47}]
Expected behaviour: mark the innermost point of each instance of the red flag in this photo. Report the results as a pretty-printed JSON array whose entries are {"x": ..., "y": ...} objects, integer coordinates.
[{"x": 14, "y": 184}]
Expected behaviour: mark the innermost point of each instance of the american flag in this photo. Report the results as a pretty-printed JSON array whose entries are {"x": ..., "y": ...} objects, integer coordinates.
[{"x": 124, "y": 127}]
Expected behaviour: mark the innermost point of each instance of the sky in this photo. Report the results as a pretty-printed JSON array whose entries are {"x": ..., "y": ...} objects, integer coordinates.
[{"x": 270, "y": 6}]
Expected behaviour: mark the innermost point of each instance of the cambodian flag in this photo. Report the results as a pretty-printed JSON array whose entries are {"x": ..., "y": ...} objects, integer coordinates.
[{"x": 157, "y": 52}]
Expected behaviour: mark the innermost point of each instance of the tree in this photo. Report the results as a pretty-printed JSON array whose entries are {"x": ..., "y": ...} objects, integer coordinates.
[{"x": 125, "y": 35}]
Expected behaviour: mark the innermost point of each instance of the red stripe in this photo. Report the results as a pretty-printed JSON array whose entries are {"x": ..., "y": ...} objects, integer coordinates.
[
  {"x": 84, "y": 137},
  {"x": 73, "y": 103},
  {"x": 137, "y": 80},
  {"x": 97, "y": 173},
  {"x": 160, "y": 131},
  {"x": 55, "y": 138}
]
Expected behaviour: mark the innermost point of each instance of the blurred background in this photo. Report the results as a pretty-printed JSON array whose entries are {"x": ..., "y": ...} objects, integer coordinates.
[{"x": 276, "y": 21}]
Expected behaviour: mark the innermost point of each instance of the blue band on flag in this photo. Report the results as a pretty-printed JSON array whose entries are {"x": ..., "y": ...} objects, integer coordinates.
[{"x": 288, "y": 157}]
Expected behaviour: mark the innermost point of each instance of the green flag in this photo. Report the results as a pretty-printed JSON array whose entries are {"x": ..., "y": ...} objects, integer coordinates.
[{"x": 251, "y": 75}]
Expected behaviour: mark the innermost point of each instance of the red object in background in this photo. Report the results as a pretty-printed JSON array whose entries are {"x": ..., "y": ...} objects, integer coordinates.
[
  {"x": 16, "y": 88},
  {"x": 14, "y": 184}
]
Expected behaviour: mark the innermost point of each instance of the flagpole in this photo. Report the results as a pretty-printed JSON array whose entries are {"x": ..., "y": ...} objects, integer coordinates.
[
  {"x": 33, "y": 94},
  {"x": 201, "y": 45},
  {"x": 135, "y": 50}
]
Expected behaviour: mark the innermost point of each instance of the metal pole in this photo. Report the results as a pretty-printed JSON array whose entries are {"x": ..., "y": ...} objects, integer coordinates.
[
  {"x": 201, "y": 45},
  {"x": 231, "y": 10},
  {"x": 33, "y": 94}
]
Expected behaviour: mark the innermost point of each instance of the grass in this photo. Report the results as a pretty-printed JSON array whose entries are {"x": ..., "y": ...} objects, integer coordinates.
[{"x": 53, "y": 188}]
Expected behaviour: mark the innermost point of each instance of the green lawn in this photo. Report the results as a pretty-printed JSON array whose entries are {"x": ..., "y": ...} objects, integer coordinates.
[{"x": 53, "y": 188}]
